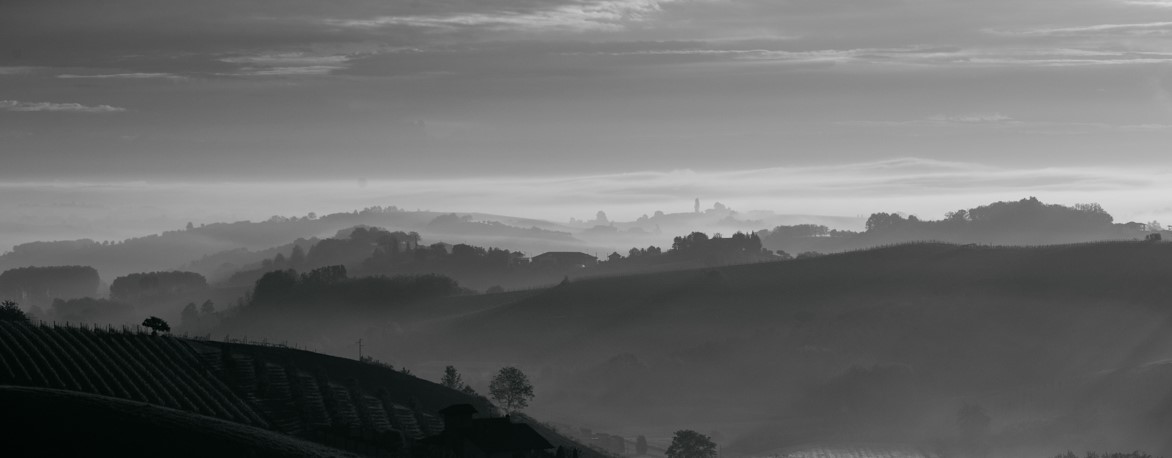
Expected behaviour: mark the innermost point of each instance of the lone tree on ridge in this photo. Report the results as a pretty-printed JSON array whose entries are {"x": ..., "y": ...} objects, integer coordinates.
[{"x": 156, "y": 324}]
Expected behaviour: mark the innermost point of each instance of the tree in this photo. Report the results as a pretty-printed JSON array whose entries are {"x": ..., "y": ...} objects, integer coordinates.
[
  {"x": 511, "y": 389},
  {"x": 452, "y": 378},
  {"x": 641, "y": 445},
  {"x": 881, "y": 221},
  {"x": 690, "y": 444},
  {"x": 689, "y": 241},
  {"x": 189, "y": 316},
  {"x": 10, "y": 312},
  {"x": 156, "y": 324},
  {"x": 297, "y": 257}
]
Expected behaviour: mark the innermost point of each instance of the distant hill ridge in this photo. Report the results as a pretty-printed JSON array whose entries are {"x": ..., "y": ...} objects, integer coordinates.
[{"x": 173, "y": 249}]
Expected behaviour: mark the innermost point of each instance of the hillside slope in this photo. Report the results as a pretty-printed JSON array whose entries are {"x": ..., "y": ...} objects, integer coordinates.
[
  {"x": 48, "y": 422},
  {"x": 880, "y": 343},
  {"x": 360, "y": 407}
]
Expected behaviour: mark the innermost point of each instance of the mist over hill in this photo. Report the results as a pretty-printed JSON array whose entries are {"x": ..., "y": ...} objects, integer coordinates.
[
  {"x": 884, "y": 345},
  {"x": 771, "y": 340},
  {"x": 219, "y": 250},
  {"x": 1024, "y": 222}
]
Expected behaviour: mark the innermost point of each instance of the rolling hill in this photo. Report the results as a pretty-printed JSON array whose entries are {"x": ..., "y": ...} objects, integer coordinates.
[
  {"x": 49, "y": 422},
  {"x": 877, "y": 344},
  {"x": 277, "y": 399}
]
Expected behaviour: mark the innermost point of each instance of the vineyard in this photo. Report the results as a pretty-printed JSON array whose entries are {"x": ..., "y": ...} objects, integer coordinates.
[
  {"x": 334, "y": 401},
  {"x": 157, "y": 370}
]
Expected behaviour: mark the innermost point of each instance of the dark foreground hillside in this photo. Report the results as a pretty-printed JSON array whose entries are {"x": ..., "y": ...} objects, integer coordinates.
[
  {"x": 240, "y": 392},
  {"x": 48, "y": 422},
  {"x": 1060, "y": 346}
]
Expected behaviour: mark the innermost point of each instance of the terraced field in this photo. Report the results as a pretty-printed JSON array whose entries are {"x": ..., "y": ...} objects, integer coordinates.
[
  {"x": 159, "y": 370},
  {"x": 345, "y": 404}
]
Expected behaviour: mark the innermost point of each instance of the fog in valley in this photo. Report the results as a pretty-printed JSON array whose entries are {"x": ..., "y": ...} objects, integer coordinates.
[{"x": 586, "y": 228}]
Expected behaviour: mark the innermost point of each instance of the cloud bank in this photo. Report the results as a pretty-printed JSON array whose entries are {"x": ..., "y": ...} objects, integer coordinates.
[
  {"x": 13, "y": 105},
  {"x": 924, "y": 187}
]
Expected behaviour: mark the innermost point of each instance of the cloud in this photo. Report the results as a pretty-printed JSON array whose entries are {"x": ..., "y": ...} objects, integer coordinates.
[
  {"x": 1139, "y": 29},
  {"x": 287, "y": 64},
  {"x": 997, "y": 119},
  {"x": 17, "y": 70},
  {"x": 309, "y": 70},
  {"x": 133, "y": 76},
  {"x": 13, "y": 105},
  {"x": 1004, "y": 122},
  {"x": 580, "y": 16},
  {"x": 287, "y": 59},
  {"x": 1153, "y": 3},
  {"x": 921, "y": 186},
  {"x": 977, "y": 118}
]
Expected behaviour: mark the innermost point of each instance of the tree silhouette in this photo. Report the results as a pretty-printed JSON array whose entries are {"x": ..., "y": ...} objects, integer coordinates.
[
  {"x": 156, "y": 324},
  {"x": 452, "y": 378},
  {"x": 208, "y": 307},
  {"x": 297, "y": 257},
  {"x": 511, "y": 389},
  {"x": 641, "y": 445},
  {"x": 10, "y": 312},
  {"x": 189, "y": 316},
  {"x": 691, "y": 444}
]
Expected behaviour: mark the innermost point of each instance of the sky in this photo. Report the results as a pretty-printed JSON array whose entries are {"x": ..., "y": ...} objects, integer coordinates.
[{"x": 514, "y": 104}]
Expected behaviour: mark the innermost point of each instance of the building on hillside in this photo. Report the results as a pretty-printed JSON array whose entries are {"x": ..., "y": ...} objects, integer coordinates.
[
  {"x": 564, "y": 259},
  {"x": 467, "y": 437},
  {"x": 518, "y": 257}
]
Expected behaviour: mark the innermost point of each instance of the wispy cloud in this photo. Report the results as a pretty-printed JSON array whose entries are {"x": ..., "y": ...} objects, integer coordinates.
[
  {"x": 1004, "y": 122},
  {"x": 1139, "y": 29},
  {"x": 916, "y": 185},
  {"x": 585, "y": 15},
  {"x": 132, "y": 76},
  {"x": 309, "y": 70},
  {"x": 1154, "y": 3},
  {"x": 287, "y": 64},
  {"x": 915, "y": 56},
  {"x": 287, "y": 59},
  {"x": 17, "y": 70},
  {"x": 13, "y": 105},
  {"x": 976, "y": 118}
]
